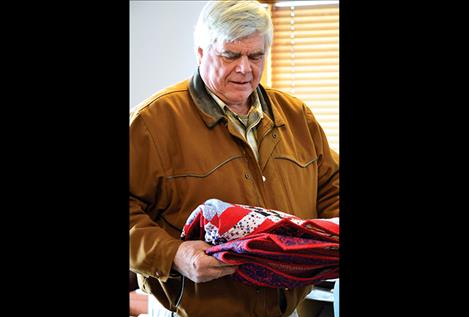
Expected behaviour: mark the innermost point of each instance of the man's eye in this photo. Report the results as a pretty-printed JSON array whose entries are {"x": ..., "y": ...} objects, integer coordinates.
[
  {"x": 256, "y": 57},
  {"x": 230, "y": 57}
]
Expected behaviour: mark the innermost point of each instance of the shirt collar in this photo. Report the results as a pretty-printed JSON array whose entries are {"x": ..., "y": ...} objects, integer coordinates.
[
  {"x": 253, "y": 98},
  {"x": 212, "y": 114}
]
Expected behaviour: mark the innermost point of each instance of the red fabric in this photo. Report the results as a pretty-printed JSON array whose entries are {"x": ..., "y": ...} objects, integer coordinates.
[{"x": 272, "y": 248}]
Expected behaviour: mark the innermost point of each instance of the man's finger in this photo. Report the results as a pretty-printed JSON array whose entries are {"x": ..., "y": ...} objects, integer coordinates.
[{"x": 216, "y": 263}]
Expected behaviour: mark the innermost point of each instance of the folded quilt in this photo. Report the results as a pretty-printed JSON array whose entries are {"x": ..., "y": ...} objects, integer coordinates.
[{"x": 272, "y": 248}]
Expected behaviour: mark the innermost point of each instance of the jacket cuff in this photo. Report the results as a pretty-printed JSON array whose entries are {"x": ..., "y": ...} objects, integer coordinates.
[{"x": 164, "y": 260}]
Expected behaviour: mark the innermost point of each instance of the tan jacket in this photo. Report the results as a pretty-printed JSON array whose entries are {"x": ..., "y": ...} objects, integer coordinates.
[{"x": 183, "y": 151}]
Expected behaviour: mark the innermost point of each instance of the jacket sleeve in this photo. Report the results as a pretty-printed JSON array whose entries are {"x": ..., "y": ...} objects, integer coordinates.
[
  {"x": 328, "y": 170},
  {"x": 152, "y": 249}
]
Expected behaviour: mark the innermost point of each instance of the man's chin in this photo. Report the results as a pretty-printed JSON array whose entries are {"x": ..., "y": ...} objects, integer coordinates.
[{"x": 240, "y": 98}]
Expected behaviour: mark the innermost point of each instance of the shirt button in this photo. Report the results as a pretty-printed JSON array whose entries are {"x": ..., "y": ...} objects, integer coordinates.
[
  {"x": 263, "y": 178},
  {"x": 247, "y": 176},
  {"x": 274, "y": 135}
]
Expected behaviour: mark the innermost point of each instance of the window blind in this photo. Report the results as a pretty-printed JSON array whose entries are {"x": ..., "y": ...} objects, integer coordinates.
[{"x": 305, "y": 60}]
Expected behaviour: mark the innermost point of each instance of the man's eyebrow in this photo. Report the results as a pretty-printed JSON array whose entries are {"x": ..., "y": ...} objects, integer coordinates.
[
  {"x": 256, "y": 54},
  {"x": 238, "y": 54},
  {"x": 230, "y": 53}
]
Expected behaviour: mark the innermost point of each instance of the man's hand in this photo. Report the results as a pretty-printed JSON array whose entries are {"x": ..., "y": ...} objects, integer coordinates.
[{"x": 192, "y": 262}]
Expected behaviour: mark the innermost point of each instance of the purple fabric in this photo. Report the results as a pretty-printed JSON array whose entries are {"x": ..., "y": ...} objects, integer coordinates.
[{"x": 279, "y": 261}]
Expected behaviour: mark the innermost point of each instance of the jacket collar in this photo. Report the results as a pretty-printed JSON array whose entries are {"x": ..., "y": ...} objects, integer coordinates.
[{"x": 211, "y": 113}]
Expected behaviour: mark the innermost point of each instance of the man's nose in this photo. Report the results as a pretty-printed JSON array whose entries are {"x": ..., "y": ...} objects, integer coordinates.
[{"x": 243, "y": 65}]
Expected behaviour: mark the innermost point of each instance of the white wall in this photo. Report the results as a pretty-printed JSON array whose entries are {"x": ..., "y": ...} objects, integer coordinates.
[{"x": 161, "y": 45}]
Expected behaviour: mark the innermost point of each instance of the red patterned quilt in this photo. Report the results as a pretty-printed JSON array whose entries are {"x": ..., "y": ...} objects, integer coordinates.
[{"x": 272, "y": 248}]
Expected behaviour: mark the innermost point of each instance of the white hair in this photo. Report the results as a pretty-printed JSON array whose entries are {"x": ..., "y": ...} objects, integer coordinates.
[{"x": 226, "y": 21}]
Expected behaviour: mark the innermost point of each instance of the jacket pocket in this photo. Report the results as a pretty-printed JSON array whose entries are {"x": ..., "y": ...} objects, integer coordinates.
[
  {"x": 204, "y": 173},
  {"x": 190, "y": 186},
  {"x": 302, "y": 164},
  {"x": 298, "y": 179}
]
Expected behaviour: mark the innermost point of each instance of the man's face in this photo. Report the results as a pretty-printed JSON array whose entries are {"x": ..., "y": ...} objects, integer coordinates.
[{"x": 232, "y": 70}]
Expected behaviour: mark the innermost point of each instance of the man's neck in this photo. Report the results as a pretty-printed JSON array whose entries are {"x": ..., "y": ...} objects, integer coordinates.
[{"x": 241, "y": 109}]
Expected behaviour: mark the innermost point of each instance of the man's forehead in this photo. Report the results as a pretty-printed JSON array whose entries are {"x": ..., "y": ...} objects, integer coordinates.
[
  {"x": 238, "y": 46},
  {"x": 242, "y": 51}
]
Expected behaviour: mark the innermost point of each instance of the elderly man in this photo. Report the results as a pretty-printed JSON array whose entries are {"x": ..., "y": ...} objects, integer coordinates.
[{"x": 220, "y": 134}]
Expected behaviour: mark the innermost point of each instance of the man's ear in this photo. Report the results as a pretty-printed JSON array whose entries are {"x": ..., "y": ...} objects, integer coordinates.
[{"x": 200, "y": 53}]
